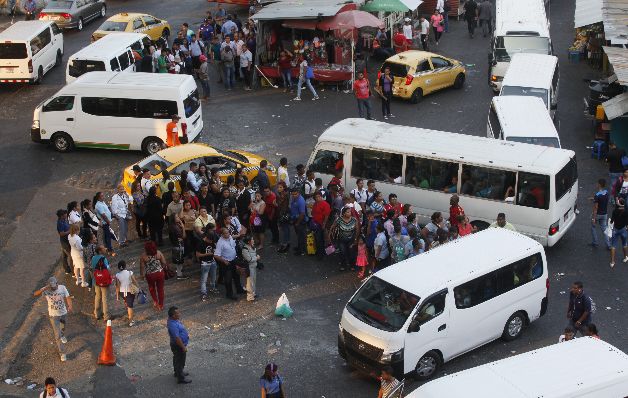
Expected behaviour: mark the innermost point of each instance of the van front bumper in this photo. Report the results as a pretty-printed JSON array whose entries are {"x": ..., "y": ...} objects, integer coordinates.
[
  {"x": 366, "y": 365},
  {"x": 36, "y": 136}
]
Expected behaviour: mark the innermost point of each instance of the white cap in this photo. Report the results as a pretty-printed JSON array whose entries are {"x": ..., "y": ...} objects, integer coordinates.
[{"x": 407, "y": 19}]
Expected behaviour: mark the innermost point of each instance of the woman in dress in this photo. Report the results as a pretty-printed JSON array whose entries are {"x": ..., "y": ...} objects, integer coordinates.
[
  {"x": 76, "y": 251},
  {"x": 258, "y": 208}
]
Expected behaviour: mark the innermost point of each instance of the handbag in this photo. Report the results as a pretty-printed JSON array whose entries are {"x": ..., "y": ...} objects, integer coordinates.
[
  {"x": 184, "y": 139},
  {"x": 609, "y": 230},
  {"x": 134, "y": 289},
  {"x": 169, "y": 273},
  {"x": 309, "y": 73},
  {"x": 141, "y": 297}
]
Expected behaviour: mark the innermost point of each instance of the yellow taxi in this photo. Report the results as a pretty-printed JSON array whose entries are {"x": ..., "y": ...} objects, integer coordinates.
[
  {"x": 134, "y": 22},
  {"x": 419, "y": 73},
  {"x": 178, "y": 158}
]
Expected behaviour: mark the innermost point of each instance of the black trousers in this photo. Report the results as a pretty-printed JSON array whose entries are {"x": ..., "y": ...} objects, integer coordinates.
[
  {"x": 231, "y": 278},
  {"x": 155, "y": 228},
  {"x": 386, "y": 103},
  {"x": 140, "y": 226},
  {"x": 274, "y": 229},
  {"x": 471, "y": 23},
  {"x": 178, "y": 360}
]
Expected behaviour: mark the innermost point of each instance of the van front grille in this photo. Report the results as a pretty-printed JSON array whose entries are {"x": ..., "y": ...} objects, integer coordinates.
[{"x": 356, "y": 345}]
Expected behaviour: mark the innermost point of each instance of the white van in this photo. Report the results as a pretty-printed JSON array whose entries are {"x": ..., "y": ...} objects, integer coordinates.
[
  {"x": 545, "y": 372},
  {"x": 115, "y": 110},
  {"x": 28, "y": 50},
  {"x": 509, "y": 119},
  {"x": 112, "y": 53},
  {"x": 422, "y": 312},
  {"x": 533, "y": 75},
  {"x": 520, "y": 27}
]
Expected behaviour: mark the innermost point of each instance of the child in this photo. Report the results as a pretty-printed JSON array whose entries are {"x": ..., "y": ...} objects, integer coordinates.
[
  {"x": 362, "y": 259},
  {"x": 566, "y": 336}
]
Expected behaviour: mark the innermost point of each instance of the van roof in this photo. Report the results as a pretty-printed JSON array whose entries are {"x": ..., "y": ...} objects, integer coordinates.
[
  {"x": 530, "y": 70},
  {"x": 101, "y": 49},
  {"x": 23, "y": 30},
  {"x": 538, "y": 373},
  {"x": 515, "y": 112},
  {"x": 130, "y": 79},
  {"x": 437, "y": 268},
  {"x": 440, "y": 144},
  {"x": 521, "y": 15}
]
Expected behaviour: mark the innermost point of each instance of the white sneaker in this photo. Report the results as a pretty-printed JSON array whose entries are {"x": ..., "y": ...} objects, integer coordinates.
[
  {"x": 84, "y": 284},
  {"x": 315, "y": 98},
  {"x": 297, "y": 99},
  {"x": 64, "y": 339},
  {"x": 131, "y": 323},
  {"x": 78, "y": 281},
  {"x": 63, "y": 358},
  {"x": 625, "y": 260},
  {"x": 612, "y": 265}
]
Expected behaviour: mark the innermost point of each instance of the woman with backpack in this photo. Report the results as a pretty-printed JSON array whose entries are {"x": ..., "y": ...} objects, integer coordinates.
[
  {"x": 152, "y": 265},
  {"x": 345, "y": 233}
]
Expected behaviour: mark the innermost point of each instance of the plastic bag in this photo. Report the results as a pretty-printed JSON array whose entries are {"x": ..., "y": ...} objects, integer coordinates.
[
  {"x": 283, "y": 307},
  {"x": 609, "y": 230}
]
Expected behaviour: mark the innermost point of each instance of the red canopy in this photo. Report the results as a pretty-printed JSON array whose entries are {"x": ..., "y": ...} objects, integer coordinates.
[{"x": 353, "y": 19}]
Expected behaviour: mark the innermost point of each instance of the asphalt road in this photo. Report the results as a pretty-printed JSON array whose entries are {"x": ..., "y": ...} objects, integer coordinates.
[{"x": 268, "y": 122}]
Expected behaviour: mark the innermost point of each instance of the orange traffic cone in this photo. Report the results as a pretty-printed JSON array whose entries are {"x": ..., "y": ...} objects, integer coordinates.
[{"x": 106, "y": 356}]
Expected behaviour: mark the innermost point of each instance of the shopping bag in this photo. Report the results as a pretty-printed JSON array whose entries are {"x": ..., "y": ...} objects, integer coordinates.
[
  {"x": 609, "y": 230},
  {"x": 283, "y": 307},
  {"x": 329, "y": 250},
  {"x": 141, "y": 297},
  {"x": 311, "y": 244}
]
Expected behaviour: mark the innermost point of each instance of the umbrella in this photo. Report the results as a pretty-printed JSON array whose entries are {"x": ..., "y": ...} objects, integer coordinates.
[
  {"x": 385, "y": 5},
  {"x": 352, "y": 19}
]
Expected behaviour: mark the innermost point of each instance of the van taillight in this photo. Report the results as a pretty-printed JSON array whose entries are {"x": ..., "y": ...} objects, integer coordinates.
[
  {"x": 42, "y": 15},
  {"x": 30, "y": 66},
  {"x": 547, "y": 285},
  {"x": 184, "y": 129},
  {"x": 553, "y": 228},
  {"x": 409, "y": 79}
]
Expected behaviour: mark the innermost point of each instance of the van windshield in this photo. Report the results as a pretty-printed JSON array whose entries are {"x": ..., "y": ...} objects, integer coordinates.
[
  {"x": 191, "y": 103},
  {"x": 506, "y": 46},
  {"x": 80, "y": 67},
  {"x": 525, "y": 91},
  {"x": 544, "y": 141},
  {"x": 155, "y": 164},
  {"x": 382, "y": 305},
  {"x": 13, "y": 51}
]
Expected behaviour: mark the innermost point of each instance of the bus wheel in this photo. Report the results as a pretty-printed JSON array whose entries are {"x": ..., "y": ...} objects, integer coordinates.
[
  {"x": 152, "y": 145},
  {"x": 62, "y": 142}
]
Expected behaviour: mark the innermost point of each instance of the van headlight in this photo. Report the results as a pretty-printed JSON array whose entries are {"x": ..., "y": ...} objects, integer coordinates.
[
  {"x": 341, "y": 335},
  {"x": 35, "y": 124},
  {"x": 392, "y": 356}
]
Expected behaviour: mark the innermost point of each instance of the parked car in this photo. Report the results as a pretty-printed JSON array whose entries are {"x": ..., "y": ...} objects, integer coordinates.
[
  {"x": 134, "y": 22},
  {"x": 70, "y": 14}
]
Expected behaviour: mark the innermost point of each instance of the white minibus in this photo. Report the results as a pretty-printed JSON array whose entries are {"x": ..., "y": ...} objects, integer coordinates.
[
  {"x": 533, "y": 75},
  {"x": 535, "y": 186},
  {"x": 520, "y": 27},
  {"x": 509, "y": 119},
  {"x": 115, "y": 110},
  {"x": 28, "y": 50},
  {"x": 424, "y": 311},
  {"x": 112, "y": 53},
  {"x": 541, "y": 373}
]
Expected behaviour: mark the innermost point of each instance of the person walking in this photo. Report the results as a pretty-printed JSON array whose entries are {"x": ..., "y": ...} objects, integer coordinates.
[
  {"x": 580, "y": 308},
  {"x": 246, "y": 63},
  {"x": 120, "y": 209},
  {"x": 52, "y": 391},
  {"x": 362, "y": 89},
  {"x": 250, "y": 256},
  {"x": 471, "y": 16},
  {"x": 306, "y": 73},
  {"x": 104, "y": 215},
  {"x": 599, "y": 214},
  {"x": 101, "y": 283},
  {"x": 385, "y": 87},
  {"x": 271, "y": 383},
  {"x": 152, "y": 264},
  {"x": 59, "y": 304},
  {"x": 615, "y": 165},
  {"x": 203, "y": 76},
  {"x": 128, "y": 286},
  {"x": 76, "y": 251},
  {"x": 437, "y": 25},
  {"x": 172, "y": 131},
  {"x": 485, "y": 16},
  {"x": 344, "y": 233},
  {"x": 154, "y": 216},
  {"x": 179, "y": 339},
  {"x": 619, "y": 220}
]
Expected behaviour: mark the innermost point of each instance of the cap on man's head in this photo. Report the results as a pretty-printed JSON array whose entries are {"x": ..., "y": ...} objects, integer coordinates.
[{"x": 52, "y": 282}]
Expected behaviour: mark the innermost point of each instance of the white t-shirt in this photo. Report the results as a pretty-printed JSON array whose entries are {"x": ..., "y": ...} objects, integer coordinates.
[
  {"x": 425, "y": 27},
  {"x": 359, "y": 195},
  {"x": 282, "y": 174},
  {"x": 407, "y": 31},
  {"x": 76, "y": 245},
  {"x": 56, "y": 300},
  {"x": 246, "y": 58},
  {"x": 124, "y": 277},
  {"x": 74, "y": 217},
  {"x": 238, "y": 45},
  {"x": 309, "y": 187}
]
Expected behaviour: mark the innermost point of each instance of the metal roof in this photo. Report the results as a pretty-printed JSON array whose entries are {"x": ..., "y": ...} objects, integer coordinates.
[
  {"x": 23, "y": 30},
  {"x": 616, "y": 106},
  {"x": 618, "y": 58},
  {"x": 515, "y": 113},
  {"x": 300, "y": 9},
  {"x": 587, "y": 12},
  {"x": 615, "y": 18}
]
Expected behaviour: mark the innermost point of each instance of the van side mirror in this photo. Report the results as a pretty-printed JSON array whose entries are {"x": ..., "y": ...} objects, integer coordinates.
[
  {"x": 553, "y": 107},
  {"x": 414, "y": 326}
]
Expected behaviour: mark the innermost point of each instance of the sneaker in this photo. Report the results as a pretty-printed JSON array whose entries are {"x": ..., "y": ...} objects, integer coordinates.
[
  {"x": 385, "y": 117},
  {"x": 612, "y": 265},
  {"x": 391, "y": 115},
  {"x": 184, "y": 381},
  {"x": 84, "y": 284},
  {"x": 182, "y": 278},
  {"x": 131, "y": 323},
  {"x": 78, "y": 282},
  {"x": 297, "y": 99},
  {"x": 204, "y": 297},
  {"x": 315, "y": 98},
  {"x": 64, "y": 340},
  {"x": 63, "y": 358},
  {"x": 625, "y": 260}
]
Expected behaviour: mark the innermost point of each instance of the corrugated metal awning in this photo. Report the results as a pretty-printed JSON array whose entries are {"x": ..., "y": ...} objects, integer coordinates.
[
  {"x": 615, "y": 18},
  {"x": 587, "y": 12},
  {"x": 301, "y": 9},
  {"x": 618, "y": 58},
  {"x": 616, "y": 106}
]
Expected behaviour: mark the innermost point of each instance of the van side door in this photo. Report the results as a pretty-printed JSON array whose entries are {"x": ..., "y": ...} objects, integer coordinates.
[
  {"x": 427, "y": 330},
  {"x": 554, "y": 92},
  {"x": 58, "y": 115}
]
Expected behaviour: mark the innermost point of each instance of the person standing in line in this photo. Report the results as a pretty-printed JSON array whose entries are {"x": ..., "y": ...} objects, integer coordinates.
[
  {"x": 246, "y": 63},
  {"x": 471, "y": 16},
  {"x": 76, "y": 251},
  {"x": 139, "y": 210},
  {"x": 388, "y": 382},
  {"x": 104, "y": 215},
  {"x": 381, "y": 248},
  {"x": 306, "y": 73},
  {"x": 599, "y": 215},
  {"x": 386, "y": 82},
  {"x": 321, "y": 210},
  {"x": 59, "y": 304},
  {"x": 205, "y": 254},
  {"x": 100, "y": 264},
  {"x": 407, "y": 29},
  {"x": 120, "y": 209},
  {"x": 249, "y": 254},
  {"x": 179, "y": 339},
  {"x": 203, "y": 76},
  {"x": 172, "y": 132},
  {"x": 225, "y": 254},
  {"x": 615, "y": 166},
  {"x": 579, "y": 310},
  {"x": 437, "y": 25},
  {"x": 297, "y": 215},
  {"x": 283, "y": 216},
  {"x": 197, "y": 48},
  {"x": 52, "y": 391},
  {"x": 63, "y": 229},
  {"x": 362, "y": 90},
  {"x": 227, "y": 55},
  {"x": 271, "y": 383},
  {"x": 126, "y": 284},
  {"x": 619, "y": 219},
  {"x": 485, "y": 14},
  {"x": 282, "y": 171},
  {"x": 284, "y": 65},
  {"x": 154, "y": 216}
]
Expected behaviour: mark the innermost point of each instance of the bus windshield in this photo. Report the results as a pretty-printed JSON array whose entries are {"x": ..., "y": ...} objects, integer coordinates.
[
  {"x": 382, "y": 305},
  {"x": 545, "y": 141},
  {"x": 526, "y": 91},
  {"x": 506, "y": 46}
]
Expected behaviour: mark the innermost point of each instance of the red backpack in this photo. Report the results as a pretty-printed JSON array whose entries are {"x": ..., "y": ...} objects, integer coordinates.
[{"x": 102, "y": 277}]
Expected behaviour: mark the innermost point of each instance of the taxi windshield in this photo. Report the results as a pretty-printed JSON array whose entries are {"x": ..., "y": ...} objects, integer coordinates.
[
  {"x": 382, "y": 305},
  {"x": 111, "y": 26},
  {"x": 155, "y": 164}
]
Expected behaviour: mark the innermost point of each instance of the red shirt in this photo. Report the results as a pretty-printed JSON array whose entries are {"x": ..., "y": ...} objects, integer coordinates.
[
  {"x": 454, "y": 212},
  {"x": 285, "y": 63},
  {"x": 397, "y": 208},
  {"x": 399, "y": 40},
  {"x": 196, "y": 205},
  {"x": 269, "y": 211},
  {"x": 320, "y": 210},
  {"x": 361, "y": 88}
]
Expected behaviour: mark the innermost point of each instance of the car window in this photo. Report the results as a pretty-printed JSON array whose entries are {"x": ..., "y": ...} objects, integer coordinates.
[
  {"x": 124, "y": 61},
  {"x": 484, "y": 182},
  {"x": 220, "y": 163},
  {"x": 432, "y": 174},
  {"x": 327, "y": 162},
  {"x": 55, "y": 29},
  {"x": 440, "y": 62},
  {"x": 40, "y": 41},
  {"x": 376, "y": 165},
  {"x": 59, "y": 104},
  {"x": 424, "y": 66},
  {"x": 137, "y": 24},
  {"x": 431, "y": 308},
  {"x": 115, "y": 65},
  {"x": 148, "y": 20},
  {"x": 185, "y": 165}
]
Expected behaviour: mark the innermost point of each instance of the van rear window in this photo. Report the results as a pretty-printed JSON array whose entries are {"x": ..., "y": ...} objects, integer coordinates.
[
  {"x": 13, "y": 51},
  {"x": 80, "y": 67},
  {"x": 191, "y": 103}
]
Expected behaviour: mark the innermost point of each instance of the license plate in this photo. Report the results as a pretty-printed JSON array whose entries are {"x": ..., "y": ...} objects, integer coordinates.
[{"x": 55, "y": 18}]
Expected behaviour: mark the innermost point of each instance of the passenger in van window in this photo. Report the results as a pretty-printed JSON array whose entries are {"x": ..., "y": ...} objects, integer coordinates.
[
  {"x": 467, "y": 183},
  {"x": 510, "y": 195},
  {"x": 502, "y": 223},
  {"x": 453, "y": 187}
]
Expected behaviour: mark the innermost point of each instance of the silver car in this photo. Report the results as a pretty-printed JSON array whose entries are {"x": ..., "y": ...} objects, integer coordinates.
[{"x": 69, "y": 14}]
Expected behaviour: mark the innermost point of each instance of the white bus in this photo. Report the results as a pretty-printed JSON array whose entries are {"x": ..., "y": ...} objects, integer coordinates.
[
  {"x": 535, "y": 186},
  {"x": 521, "y": 26},
  {"x": 116, "y": 110},
  {"x": 422, "y": 312},
  {"x": 540, "y": 373}
]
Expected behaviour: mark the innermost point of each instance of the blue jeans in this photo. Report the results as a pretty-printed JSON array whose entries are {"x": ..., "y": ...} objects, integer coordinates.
[
  {"x": 229, "y": 77},
  {"x": 619, "y": 234},
  {"x": 446, "y": 15},
  {"x": 285, "y": 233},
  {"x": 309, "y": 86},
  {"x": 362, "y": 104},
  {"x": 208, "y": 270},
  {"x": 286, "y": 75},
  {"x": 107, "y": 236},
  {"x": 205, "y": 85},
  {"x": 601, "y": 221}
]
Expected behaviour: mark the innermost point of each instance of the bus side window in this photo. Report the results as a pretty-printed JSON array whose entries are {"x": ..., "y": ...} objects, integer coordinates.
[
  {"x": 486, "y": 183},
  {"x": 327, "y": 162},
  {"x": 376, "y": 165},
  {"x": 533, "y": 190},
  {"x": 432, "y": 174}
]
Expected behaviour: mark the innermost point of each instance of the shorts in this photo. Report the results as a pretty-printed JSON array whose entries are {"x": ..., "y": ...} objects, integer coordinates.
[
  {"x": 129, "y": 299},
  {"x": 620, "y": 234}
]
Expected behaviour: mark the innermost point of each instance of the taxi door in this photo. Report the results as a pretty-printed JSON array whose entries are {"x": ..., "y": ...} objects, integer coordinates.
[
  {"x": 424, "y": 76},
  {"x": 442, "y": 73}
]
